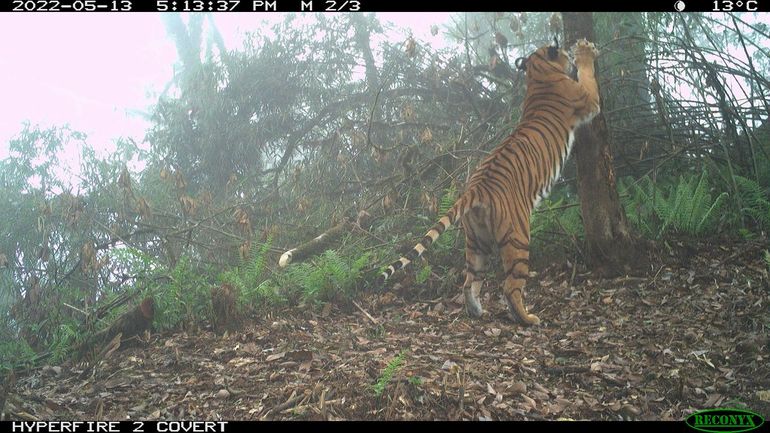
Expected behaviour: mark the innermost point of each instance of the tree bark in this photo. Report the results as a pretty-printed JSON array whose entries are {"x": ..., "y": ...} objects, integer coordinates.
[
  {"x": 362, "y": 37},
  {"x": 628, "y": 93},
  {"x": 611, "y": 247}
]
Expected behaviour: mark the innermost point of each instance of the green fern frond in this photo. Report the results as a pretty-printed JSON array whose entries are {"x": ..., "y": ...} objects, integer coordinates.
[
  {"x": 387, "y": 374},
  {"x": 256, "y": 266},
  {"x": 447, "y": 200},
  {"x": 709, "y": 217},
  {"x": 755, "y": 200},
  {"x": 327, "y": 277}
]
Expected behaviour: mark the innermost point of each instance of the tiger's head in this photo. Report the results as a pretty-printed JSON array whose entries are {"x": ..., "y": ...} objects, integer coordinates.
[{"x": 545, "y": 61}]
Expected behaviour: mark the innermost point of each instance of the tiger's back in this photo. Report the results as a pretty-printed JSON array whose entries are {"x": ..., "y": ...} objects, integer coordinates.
[{"x": 496, "y": 207}]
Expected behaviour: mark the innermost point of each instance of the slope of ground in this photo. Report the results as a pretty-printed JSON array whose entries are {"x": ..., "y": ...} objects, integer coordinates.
[{"x": 692, "y": 334}]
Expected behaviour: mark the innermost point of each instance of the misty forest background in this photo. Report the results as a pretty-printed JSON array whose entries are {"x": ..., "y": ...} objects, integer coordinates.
[{"x": 255, "y": 151}]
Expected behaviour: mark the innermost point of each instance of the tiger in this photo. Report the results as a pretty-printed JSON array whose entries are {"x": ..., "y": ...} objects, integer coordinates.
[{"x": 497, "y": 204}]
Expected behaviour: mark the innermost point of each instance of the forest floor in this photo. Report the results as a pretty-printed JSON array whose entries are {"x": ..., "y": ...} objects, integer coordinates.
[{"x": 692, "y": 334}]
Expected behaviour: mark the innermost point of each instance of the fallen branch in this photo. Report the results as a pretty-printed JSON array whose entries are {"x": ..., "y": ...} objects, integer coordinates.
[{"x": 368, "y": 316}]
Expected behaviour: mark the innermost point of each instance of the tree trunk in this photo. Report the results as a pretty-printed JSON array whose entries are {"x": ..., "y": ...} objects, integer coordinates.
[
  {"x": 627, "y": 95},
  {"x": 611, "y": 248},
  {"x": 362, "y": 37}
]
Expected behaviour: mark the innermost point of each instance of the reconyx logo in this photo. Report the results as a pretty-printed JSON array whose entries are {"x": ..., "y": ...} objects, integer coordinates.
[{"x": 724, "y": 420}]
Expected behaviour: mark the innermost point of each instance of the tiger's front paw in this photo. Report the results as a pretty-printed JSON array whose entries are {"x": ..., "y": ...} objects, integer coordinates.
[{"x": 585, "y": 52}]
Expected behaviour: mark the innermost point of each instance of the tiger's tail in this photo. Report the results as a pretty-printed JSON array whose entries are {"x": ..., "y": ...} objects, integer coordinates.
[{"x": 450, "y": 218}]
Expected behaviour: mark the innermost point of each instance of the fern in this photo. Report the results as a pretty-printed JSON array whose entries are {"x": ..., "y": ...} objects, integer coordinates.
[
  {"x": 249, "y": 278},
  {"x": 637, "y": 199},
  {"x": 387, "y": 374},
  {"x": 556, "y": 216},
  {"x": 683, "y": 207},
  {"x": 255, "y": 267},
  {"x": 185, "y": 299},
  {"x": 448, "y": 238},
  {"x": 328, "y": 277},
  {"x": 447, "y": 200},
  {"x": 755, "y": 201}
]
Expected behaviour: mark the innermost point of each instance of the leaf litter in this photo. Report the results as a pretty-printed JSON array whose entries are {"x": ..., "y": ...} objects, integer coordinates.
[{"x": 692, "y": 334}]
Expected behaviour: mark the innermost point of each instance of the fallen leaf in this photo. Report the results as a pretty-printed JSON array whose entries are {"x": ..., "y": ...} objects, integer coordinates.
[{"x": 275, "y": 356}]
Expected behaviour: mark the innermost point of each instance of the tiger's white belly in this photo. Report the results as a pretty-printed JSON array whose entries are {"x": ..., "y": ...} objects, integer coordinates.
[{"x": 546, "y": 189}]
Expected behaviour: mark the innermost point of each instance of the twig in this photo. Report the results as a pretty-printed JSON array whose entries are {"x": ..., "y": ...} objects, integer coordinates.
[
  {"x": 368, "y": 316},
  {"x": 283, "y": 406},
  {"x": 76, "y": 309},
  {"x": 392, "y": 405}
]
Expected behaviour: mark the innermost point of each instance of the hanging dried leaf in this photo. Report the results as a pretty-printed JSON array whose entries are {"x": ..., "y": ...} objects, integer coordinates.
[
  {"x": 143, "y": 208},
  {"x": 243, "y": 250},
  {"x": 501, "y": 40},
  {"x": 189, "y": 205},
  {"x": 179, "y": 181},
  {"x": 303, "y": 204},
  {"x": 407, "y": 112},
  {"x": 410, "y": 47},
  {"x": 242, "y": 220},
  {"x": 434, "y": 30},
  {"x": 124, "y": 180},
  {"x": 387, "y": 202},
  {"x": 87, "y": 257},
  {"x": 426, "y": 136}
]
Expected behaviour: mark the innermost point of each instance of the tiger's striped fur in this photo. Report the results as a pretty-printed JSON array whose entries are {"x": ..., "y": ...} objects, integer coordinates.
[{"x": 496, "y": 207}]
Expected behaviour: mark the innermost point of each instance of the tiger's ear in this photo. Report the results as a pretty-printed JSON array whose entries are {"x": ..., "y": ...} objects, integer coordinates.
[
  {"x": 553, "y": 53},
  {"x": 521, "y": 63},
  {"x": 553, "y": 50}
]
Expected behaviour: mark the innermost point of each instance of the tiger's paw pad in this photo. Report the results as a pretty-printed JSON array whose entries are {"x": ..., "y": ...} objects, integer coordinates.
[{"x": 584, "y": 51}]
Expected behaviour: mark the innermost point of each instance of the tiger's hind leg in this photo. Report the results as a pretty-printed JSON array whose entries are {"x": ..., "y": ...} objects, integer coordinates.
[
  {"x": 477, "y": 249},
  {"x": 475, "y": 264},
  {"x": 514, "y": 251}
]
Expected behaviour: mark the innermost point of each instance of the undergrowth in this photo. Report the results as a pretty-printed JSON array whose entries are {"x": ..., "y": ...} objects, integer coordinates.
[
  {"x": 327, "y": 277},
  {"x": 387, "y": 374},
  {"x": 687, "y": 206}
]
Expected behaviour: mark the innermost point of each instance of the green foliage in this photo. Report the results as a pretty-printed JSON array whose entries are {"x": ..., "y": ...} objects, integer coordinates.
[
  {"x": 560, "y": 215},
  {"x": 328, "y": 277},
  {"x": 387, "y": 374},
  {"x": 423, "y": 275},
  {"x": 689, "y": 208},
  {"x": 766, "y": 257},
  {"x": 448, "y": 239},
  {"x": 185, "y": 300},
  {"x": 685, "y": 207},
  {"x": 14, "y": 352},
  {"x": 755, "y": 201},
  {"x": 134, "y": 261},
  {"x": 637, "y": 198},
  {"x": 250, "y": 280}
]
